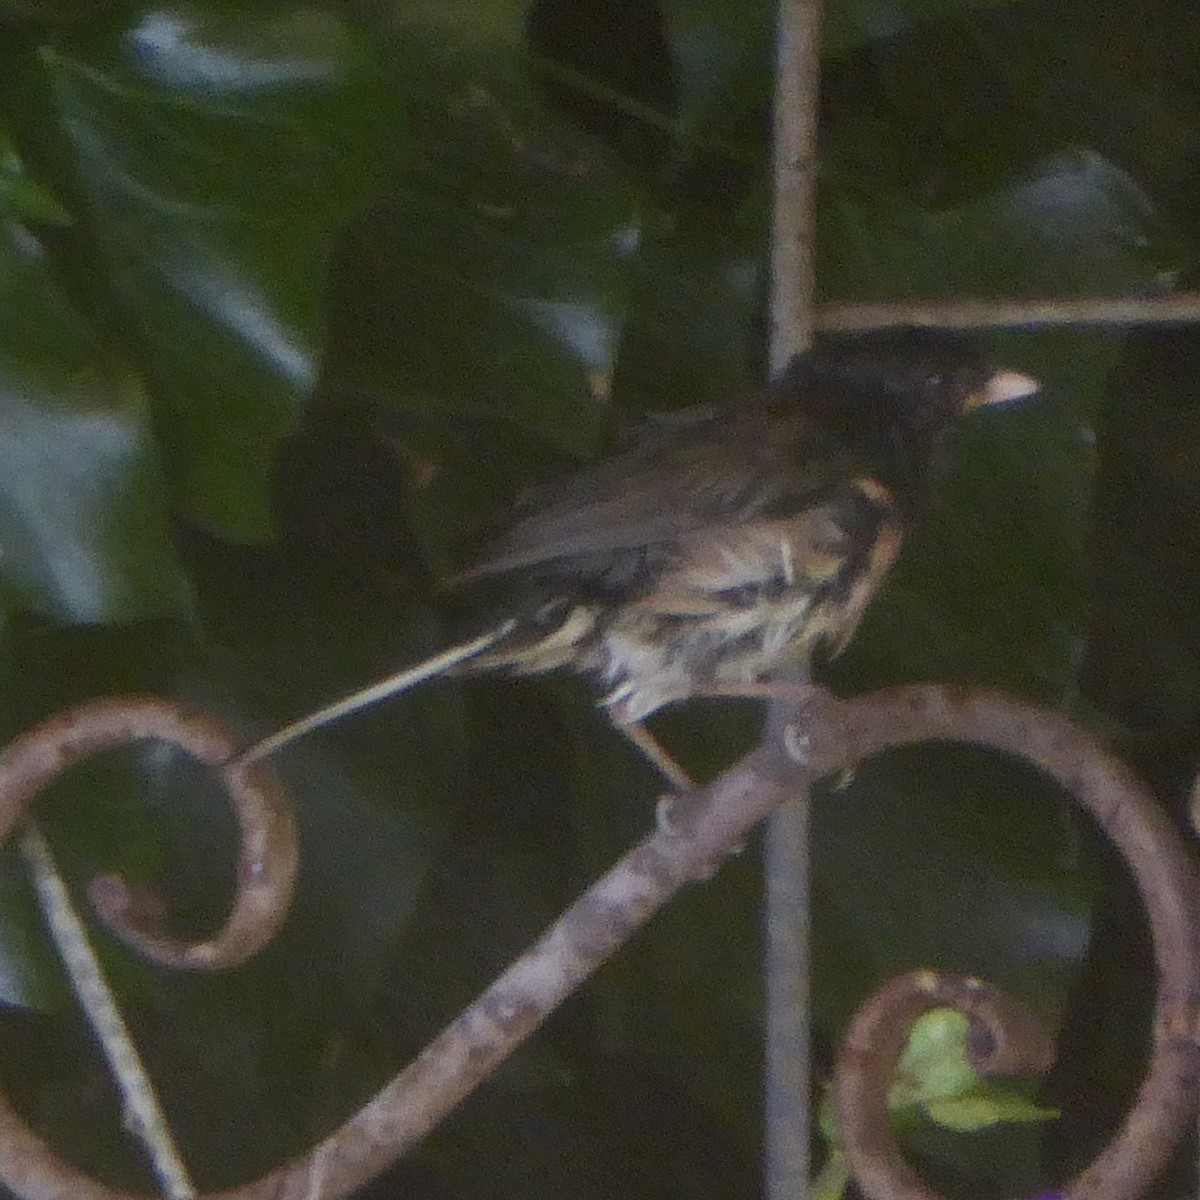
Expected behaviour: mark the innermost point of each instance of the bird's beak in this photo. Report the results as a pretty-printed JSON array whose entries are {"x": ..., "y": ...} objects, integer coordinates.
[{"x": 1002, "y": 387}]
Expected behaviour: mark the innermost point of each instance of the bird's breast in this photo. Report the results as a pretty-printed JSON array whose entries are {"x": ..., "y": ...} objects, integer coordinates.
[
  {"x": 739, "y": 604},
  {"x": 644, "y": 665}
]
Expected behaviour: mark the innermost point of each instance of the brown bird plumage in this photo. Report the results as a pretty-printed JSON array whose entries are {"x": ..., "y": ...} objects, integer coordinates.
[{"x": 723, "y": 545}]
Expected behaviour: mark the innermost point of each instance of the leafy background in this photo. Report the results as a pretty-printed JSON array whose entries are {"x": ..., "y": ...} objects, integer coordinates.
[{"x": 293, "y": 299}]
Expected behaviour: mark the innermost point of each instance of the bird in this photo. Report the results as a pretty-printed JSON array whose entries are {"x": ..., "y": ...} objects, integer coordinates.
[{"x": 725, "y": 546}]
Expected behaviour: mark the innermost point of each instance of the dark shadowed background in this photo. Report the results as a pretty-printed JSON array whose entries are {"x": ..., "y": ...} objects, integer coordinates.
[{"x": 294, "y": 299}]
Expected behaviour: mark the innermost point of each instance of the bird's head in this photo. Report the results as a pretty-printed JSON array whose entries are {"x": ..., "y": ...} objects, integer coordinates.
[
  {"x": 894, "y": 394},
  {"x": 919, "y": 378}
]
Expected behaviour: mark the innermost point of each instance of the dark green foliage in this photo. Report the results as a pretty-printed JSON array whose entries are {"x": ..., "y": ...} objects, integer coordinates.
[{"x": 294, "y": 299}]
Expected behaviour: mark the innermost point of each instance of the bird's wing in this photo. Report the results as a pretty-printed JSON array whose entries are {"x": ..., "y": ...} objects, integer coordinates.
[{"x": 672, "y": 481}]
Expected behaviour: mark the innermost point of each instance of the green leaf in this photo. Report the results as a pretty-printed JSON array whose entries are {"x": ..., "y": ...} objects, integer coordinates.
[
  {"x": 82, "y": 520},
  {"x": 851, "y": 22},
  {"x": 969, "y": 1113},
  {"x": 974, "y": 865},
  {"x": 486, "y": 286},
  {"x": 495, "y": 28},
  {"x": 1068, "y": 223},
  {"x": 934, "y": 1074},
  {"x": 722, "y": 52},
  {"x": 22, "y": 198},
  {"x": 934, "y": 1062},
  {"x": 218, "y": 150},
  {"x": 51, "y": 10},
  {"x": 692, "y": 335}
]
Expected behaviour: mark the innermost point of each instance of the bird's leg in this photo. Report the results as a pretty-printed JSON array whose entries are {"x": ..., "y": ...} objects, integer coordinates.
[
  {"x": 653, "y": 751},
  {"x": 680, "y": 782},
  {"x": 761, "y": 690}
]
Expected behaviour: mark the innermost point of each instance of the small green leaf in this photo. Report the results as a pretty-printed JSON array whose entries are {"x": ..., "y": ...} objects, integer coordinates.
[
  {"x": 934, "y": 1074},
  {"x": 934, "y": 1063},
  {"x": 989, "y": 1106}
]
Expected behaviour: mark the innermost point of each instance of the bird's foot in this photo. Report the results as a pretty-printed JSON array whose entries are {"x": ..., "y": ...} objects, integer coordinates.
[{"x": 667, "y": 827}]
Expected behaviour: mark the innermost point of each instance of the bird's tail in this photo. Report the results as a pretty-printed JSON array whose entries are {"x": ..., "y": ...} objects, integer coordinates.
[{"x": 393, "y": 685}]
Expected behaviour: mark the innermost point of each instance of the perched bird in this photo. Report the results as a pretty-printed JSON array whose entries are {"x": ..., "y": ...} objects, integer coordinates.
[{"x": 722, "y": 546}]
